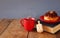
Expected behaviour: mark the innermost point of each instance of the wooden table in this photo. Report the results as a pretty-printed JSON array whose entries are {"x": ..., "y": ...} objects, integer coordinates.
[{"x": 11, "y": 28}]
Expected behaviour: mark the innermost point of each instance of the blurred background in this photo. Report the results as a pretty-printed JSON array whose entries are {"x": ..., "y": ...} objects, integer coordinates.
[{"x": 25, "y": 8}]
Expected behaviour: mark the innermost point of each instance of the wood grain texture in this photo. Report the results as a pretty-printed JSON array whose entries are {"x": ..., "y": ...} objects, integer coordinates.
[
  {"x": 15, "y": 30},
  {"x": 4, "y": 24},
  {"x": 0, "y": 20},
  {"x": 58, "y": 34},
  {"x": 41, "y": 35}
]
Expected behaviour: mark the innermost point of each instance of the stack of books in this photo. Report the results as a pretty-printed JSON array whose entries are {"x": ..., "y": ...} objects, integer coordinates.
[{"x": 52, "y": 28}]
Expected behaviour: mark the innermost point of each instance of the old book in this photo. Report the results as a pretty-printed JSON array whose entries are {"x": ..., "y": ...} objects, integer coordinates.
[{"x": 52, "y": 28}]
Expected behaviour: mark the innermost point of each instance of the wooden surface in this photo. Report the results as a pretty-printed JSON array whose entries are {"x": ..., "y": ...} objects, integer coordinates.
[
  {"x": 4, "y": 23},
  {"x": 15, "y": 30}
]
